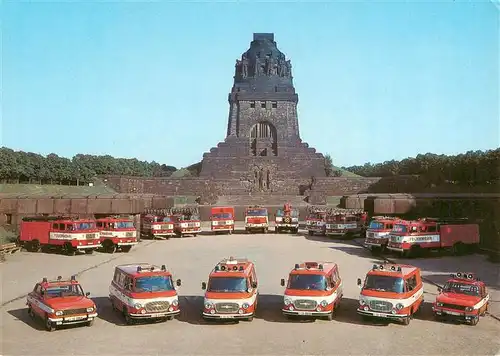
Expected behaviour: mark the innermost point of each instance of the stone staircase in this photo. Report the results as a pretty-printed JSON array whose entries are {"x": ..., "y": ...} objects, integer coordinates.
[{"x": 261, "y": 199}]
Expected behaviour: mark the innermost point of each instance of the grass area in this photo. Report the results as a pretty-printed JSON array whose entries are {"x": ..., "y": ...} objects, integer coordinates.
[
  {"x": 6, "y": 236},
  {"x": 53, "y": 190},
  {"x": 345, "y": 173}
]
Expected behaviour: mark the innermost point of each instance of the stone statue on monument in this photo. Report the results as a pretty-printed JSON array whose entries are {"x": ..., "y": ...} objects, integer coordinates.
[
  {"x": 258, "y": 67},
  {"x": 244, "y": 66}
]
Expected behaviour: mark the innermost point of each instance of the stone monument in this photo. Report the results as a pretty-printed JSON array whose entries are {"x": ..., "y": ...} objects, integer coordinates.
[{"x": 263, "y": 143}]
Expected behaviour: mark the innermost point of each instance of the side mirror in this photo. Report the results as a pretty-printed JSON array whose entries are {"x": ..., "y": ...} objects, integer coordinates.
[
  {"x": 254, "y": 285},
  {"x": 282, "y": 282},
  {"x": 178, "y": 282},
  {"x": 359, "y": 282},
  {"x": 87, "y": 294},
  {"x": 440, "y": 289},
  {"x": 203, "y": 285}
]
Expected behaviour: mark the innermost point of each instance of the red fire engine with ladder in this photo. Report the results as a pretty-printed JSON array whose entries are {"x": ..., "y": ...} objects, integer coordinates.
[
  {"x": 186, "y": 221},
  {"x": 316, "y": 220},
  {"x": 286, "y": 218},
  {"x": 411, "y": 238},
  {"x": 117, "y": 233},
  {"x": 345, "y": 222},
  {"x": 378, "y": 231},
  {"x": 157, "y": 224},
  {"x": 61, "y": 233}
]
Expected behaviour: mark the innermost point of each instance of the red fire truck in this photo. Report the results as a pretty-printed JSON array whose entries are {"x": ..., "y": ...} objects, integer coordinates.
[
  {"x": 222, "y": 219},
  {"x": 117, "y": 233},
  {"x": 345, "y": 222},
  {"x": 316, "y": 220},
  {"x": 377, "y": 234},
  {"x": 411, "y": 238},
  {"x": 286, "y": 218},
  {"x": 256, "y": 219},
  {"x": 60, "y": 233},
  {"x": 186, "y": 221},
  {"x": 157, "y": 224}
]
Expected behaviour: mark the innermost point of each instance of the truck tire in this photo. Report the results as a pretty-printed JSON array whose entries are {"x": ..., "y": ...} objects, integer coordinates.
[
  {"x": 49, "y": 326},
  {"x": 69, "y": 250},
  {"x": 458, "y": 249},
  {"x": 126, "y": 248},
  {"x": 310, "y": 233},
  {"x": 109, "y": 246},
  {"x": 89, "y": 251},
  {"x": 34, "y": 246}
]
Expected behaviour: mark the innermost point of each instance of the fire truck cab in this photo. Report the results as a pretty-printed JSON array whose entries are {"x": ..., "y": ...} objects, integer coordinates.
[
  {"x": 412, "y": 238},
  {"x": 186, "y": 222},
  {"x": 313, "y": 289},
  {"x": 232, "y": 290},
  {"x": 64, "y": 234},
  {"x": 256, "y": 219},
  {"x": 392, "y": 292},
  {"x": 222, "y": 219},
  {"x": 464, "y": 298},
  {"x": 61, "y": 302},
  {"x": 117, "y": 233},
  {"x": 316, "y": 222},
  {"x": 143, "y": 291},
  {"x": 378, "y": 232},
  {"x": 157, "y": 225},
  {"x": 286, "y": 219},
  {"x": 345, "y": 222}
]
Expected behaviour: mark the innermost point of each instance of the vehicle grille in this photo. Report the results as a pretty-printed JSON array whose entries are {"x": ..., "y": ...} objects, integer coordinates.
[
  {"x": 191, "y": 224},
  {"x": 305, "y": 304},
  {"x": 370, "y": 234},
  {"x": 90, "y": 236},
  {"x": 155, "y": 307},
  {"x": 380, "y": 305},
  {"x": 75, "y": 311},
  {"x": 129, "y": 234},
  {"x": 453, "y": 306},
  {"x": 228, "y": 308},
  {"x": 287, "y": 220}
]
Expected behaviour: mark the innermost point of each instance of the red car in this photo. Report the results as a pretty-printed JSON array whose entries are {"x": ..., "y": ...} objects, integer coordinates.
[
  {"x": 61, "y": 302},
  {"x": 464, "y": 297}
]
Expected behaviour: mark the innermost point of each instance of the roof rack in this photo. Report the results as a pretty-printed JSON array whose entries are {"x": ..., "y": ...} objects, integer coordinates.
[
  {"x": 309, "y": 265},
  {"x": 231, "y": 264},
  {"x": 465, "y": 275},
  {"x": 386, "y": 217},
  {"x": 445, "y": 220},
  {"x": 50, "y": 218},
  {"x": 386, "y": 267}
]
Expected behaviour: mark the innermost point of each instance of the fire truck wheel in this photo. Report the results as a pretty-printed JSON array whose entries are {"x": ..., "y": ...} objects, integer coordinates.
[
  {"x": 89, "y": 251},
  {"x": 69, "y": 250},
  {"x": 277, "y": 230},
  {"x": 170, "y": 317},
  {"x": 230, "y": 232},
  {"x": 406, "y": 321},
  {"x": 126, "y": 248},
  {"x": 31, "y": 313},
  {"x": 195, "y": 235},
  {"x": 247, "y": 231},
  {"x": 311, "y": 233},
  {"x": 109, "y": 246},
  {"x": 90, "y": 322},
  {"x": 329, "y": 317},
  {"x": 34, "y": 246},
  {"x": 458, "y": 249},
  {"x": 296, "y": 230},
  {"x": 128, "y": 319},
  {"x": 49, "y": 326},
  {"x": 249, "y": 318},
  {"x": 474, "y": 321},
  {"x": 264, "y": 231}
]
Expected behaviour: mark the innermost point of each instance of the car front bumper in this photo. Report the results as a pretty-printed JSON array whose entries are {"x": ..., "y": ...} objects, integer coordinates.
[
  {"x": 74, "y": 319},
  {"x": 154, "y": 315},
  {"x": 306, "y": 312},
  {"x": 381, "y": 315},
  {"x": 227, "y": 316}
]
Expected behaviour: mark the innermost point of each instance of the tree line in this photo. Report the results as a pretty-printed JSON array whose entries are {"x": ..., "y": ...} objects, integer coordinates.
[
  {"x": 470, "y": 168},
  {"x": 30, "y": 167}
]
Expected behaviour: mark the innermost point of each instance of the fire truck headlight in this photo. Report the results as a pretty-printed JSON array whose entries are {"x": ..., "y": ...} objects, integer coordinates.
[
  {"x": 399, "y": 306},
  {"x": 287, "y": 301},
  {"x": 59, "y": 313},
  {"x": 245, "y": 306},
  {"x": 469, "y": 309},
  {"x": 175, "y": 302},
  {"x": 324, "y": 303},
  {"x": 137, "y": 306},
  {"x": 208, "y": 305},
  {"x": 439, "y": 304},
  {"x": 90, "y": 310}
]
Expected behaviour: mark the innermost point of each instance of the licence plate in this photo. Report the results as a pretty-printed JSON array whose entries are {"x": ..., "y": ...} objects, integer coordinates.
[
  {"x": 226, "y": 316},
  {"x": 380, "y": 315},
  {"x": 157, "y": 315},
  {"x": 304, "y": 313},
  {"x": 73, "y": 318}
]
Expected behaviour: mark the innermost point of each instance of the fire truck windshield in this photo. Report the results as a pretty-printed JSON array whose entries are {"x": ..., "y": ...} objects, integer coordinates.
[
  {"x": 376, "y": 225},
  {"x": 153, "y": 284},
  {"x": 257, "y": 212},
  {"x": 400, "y": 228},
  {"x": 461, "y": 288},
  {"x": 84, "y": 226},
  {"x": 307, "y": 281},
  {"x": 69, "y": 290},
  {"x": 165, "y": 219},
  {"x": 227, "y": 284},
  {"x": 124, "y": 225},
  {"x": 223, "y": 216},
  {"x": 281, "y": 212},
  {"x": 317, "y": 216},
  {"x": 384, "y": 283}
]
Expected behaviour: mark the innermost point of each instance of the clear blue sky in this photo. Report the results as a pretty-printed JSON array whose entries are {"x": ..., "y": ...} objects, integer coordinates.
[{"x": 376, "y": 81}]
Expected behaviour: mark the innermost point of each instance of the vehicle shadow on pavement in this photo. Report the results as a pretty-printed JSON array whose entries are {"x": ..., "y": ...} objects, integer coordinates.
[
  {"x": 105, "y": 311},
  {"x": 269, "y": 309},
  {"x": 346, "y": 313},
  {"x": 191, "y": 312},
  {"x": 22, "y": 315},
  {"x": 353, "y": 249}
]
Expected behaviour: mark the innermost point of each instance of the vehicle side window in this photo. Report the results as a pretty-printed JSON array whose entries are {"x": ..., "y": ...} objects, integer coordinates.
[
  {"x": 483, "y": 292},
  {"x": 37, "y": 289},
  {"x": 411, "y": 283},
  {"x": 99, "y": 224},
  {"x": 431, "y": 228},
  {"x": 388, "y": 227},
  {"x": 116, "y": 278},
  {"x": 69, "y": 227},
  {"x": 127, "y": 283},
  {"x": 61, "y": 226},
  {"x": 55, "y": 226},
  {"x": 329, "y": 281}
]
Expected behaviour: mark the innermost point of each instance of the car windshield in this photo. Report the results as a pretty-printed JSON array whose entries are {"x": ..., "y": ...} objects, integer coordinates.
[
  {"x": 384, "y": 283},
  {"x": 189, "y": 217},
  {"x": 124, "y": 224},
  {"x": 257, "y": 212},
  {"x": 316, "y": 216},
  {"x": 281, "y": 212},
  {"x": 68, "y": 290},
  {"x": 223, "y": 216},
  {"x": 153, "y": 284},
  {"x": 307, "y": 281},
  {"x": 227, "y": 284},
  {"x": 84, "y": 226},
  {"x": 461, "y": 288},
  {"x": 376, "y": 225},
  {"x": 400, "y": 228}
]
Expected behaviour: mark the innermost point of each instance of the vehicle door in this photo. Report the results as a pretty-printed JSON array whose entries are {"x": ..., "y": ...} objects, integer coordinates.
[
  {"x": 36, "y": 300},
  {"x": 411, "y": 288}
]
